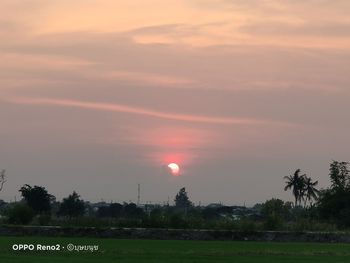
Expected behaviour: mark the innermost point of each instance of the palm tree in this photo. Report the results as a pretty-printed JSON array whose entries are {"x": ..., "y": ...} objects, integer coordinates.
[
  {"x": 311, "y": 192},
  {"x": 296, "y": 182}
]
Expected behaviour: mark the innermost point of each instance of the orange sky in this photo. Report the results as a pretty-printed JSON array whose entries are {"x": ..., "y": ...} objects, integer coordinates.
[{"x": 237, "y": 91}]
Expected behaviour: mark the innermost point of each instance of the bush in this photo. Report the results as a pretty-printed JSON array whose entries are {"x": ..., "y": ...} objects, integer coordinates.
[
  {"x": 273, "y": 222},
  {"x": 176, "y": 221},
  {"x": 44, "y": 219},
  {"x": 72, "y": 206},
  {"x": 310, "y": 225},
  {"x": 276, "y": 208},
  {"x": 334, "y": 206},
  {"x": 20, "y": 214},
  {"x": 247, "y": 225}
]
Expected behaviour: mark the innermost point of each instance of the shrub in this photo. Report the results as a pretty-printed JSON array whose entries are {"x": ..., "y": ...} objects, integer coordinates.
[
  {"x": 273, "y": 222},
  {"x": 20, "y": 214},
  {"x": 247, "y": 225},
  {"x": 176, "y": 221},
  {"x": 44, "y": 219},
  {"x": 72, "y": 206}
]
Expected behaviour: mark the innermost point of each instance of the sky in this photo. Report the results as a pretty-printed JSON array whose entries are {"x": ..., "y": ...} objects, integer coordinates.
[{"x": 98, "y": 96}]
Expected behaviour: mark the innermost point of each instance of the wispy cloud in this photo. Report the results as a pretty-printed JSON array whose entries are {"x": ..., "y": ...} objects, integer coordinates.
[
  {"x": 141, "y": 111},
  {"x": 309, "y": 28},
  {"x": 146, "y": 78}
]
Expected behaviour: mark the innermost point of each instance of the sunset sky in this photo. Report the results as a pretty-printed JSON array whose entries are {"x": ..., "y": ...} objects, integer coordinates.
[{"x": 97, "y": 96}]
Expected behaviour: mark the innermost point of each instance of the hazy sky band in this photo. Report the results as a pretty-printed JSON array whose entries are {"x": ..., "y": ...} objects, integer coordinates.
[{"x": 140, "y": 111}]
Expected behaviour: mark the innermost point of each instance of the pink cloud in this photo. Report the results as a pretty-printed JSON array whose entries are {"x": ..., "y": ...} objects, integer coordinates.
[
  {"x": 146, "y": 78},
  {"x": 113, "y": 107}
]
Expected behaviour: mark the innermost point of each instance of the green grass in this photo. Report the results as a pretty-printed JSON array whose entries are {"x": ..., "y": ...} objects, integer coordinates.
[{"x": 117, "y": 250}]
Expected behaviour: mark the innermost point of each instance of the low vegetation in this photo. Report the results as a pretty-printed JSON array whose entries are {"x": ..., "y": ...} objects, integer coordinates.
[{"x": 313, "y": 209}]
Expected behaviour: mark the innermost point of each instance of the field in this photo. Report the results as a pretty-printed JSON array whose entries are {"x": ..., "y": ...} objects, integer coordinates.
[{"x": 116, "y": 250}]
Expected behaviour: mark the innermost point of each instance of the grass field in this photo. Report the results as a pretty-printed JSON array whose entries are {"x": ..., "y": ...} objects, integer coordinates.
[{"x": 116, "y": 250}]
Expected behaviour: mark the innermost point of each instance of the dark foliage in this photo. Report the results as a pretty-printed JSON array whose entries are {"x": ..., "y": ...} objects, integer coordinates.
[
  {"x": 37, "y": 198},
  {"x": 334, "y": 202},
  {"x": 131, "y": 210},
  {"x": 303, "y": 188},
  {"x": 20, "y": 214},
  {"x": 72, "y": 206},
  {"x": 210, "y": 213},
  {"x": 339, "y": 175},
  {"x": 275, "y": 212},
  {"x": 182, "y": 200},
  {"x": 335, "y": 206},
  {"x": 116, "y": 210}
]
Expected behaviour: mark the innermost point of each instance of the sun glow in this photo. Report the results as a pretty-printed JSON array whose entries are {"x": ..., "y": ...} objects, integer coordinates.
[{"x": 174, "y": 168}]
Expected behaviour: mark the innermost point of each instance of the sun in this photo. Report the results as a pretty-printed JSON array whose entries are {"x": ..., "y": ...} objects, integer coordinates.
[{"x": 174, "y": 168}]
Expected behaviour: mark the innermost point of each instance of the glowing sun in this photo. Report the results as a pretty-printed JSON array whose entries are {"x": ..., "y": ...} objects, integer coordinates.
[{"x": 174, "y": 168}]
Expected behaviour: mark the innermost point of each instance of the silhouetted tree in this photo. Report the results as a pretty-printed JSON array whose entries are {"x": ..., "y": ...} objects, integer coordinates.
[
  {"x": 182, "y": 200},
  {"x": 103, "y": 211},
  {"x": 2, "y": 179},
  {"x": 20, "y": 213},
  {"x": 339, "y": 174},
  {"x": 310, "y": 191},
  {"x": 131, "y": 210},
  {"x": 296, "y": 182},
  {"x": 72, "y": 206},
  {"x": 37, "y": 198},
  {"x": 115, "y": 210},
  {"x": 335, "y": 206},
  {"x": 274, "y": 211},
  {"x": 210, "y": 213},
  {"x": 334, "y": 203}
]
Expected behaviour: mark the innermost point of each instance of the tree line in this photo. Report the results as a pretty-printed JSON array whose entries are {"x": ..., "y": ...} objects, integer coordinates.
[{"x": 327, "y": 208}]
